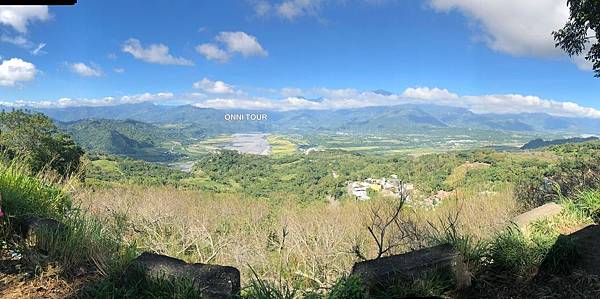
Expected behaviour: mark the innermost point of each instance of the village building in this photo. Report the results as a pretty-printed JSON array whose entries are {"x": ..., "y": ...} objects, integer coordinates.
[{"x": 389, "y": 187}]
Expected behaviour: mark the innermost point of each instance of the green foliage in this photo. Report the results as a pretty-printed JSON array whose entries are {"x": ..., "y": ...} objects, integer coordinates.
[
  {"x": 576, "y": 169},
  {"x": 261, "y": 289},
  {"x": 573, "y": 38},
  {"x": 23, "y": 194},
  {"x": 433, "y": 283},
  {"x": 109, "y": 170},
  {"x": 311, "y": 177},
  {"x": 38, "y": 142},
  {"x": 539, "y": 143},
  {"x": 123, "y": 137},
  {"x": 81, "y": 240},
  {"x": 447, "y": 232},
  {"x": 585, "y": 205},
  {"x": 348, "y": 287},
  {"x": 512, "y": 252}
]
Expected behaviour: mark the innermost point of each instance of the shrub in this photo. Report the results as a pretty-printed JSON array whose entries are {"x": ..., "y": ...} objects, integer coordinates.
[{"x": 511, "y": 251}]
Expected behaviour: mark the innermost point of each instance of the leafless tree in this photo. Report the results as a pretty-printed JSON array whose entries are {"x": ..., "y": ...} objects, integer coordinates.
[{"x": 390, "y": 229}]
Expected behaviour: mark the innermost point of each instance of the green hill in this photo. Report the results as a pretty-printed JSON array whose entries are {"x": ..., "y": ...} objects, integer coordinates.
[
  {"x": 121, "y": 137},
  {"x": 538, "y": 143}
]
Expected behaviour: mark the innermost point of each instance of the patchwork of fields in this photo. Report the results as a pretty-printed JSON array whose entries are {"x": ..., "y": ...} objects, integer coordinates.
[{"x": 363, "y": 143}]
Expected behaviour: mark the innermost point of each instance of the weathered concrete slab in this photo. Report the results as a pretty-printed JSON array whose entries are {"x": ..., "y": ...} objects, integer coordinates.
[
  {"x": 376, "y": 274},
  {"x": 578, "y": 251},
  {"x": 212, "y": 281},
  {"x": 539, "y": 213}
]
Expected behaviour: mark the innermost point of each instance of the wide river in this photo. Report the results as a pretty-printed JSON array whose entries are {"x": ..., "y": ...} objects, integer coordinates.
[{"x": 251, "y": 143}]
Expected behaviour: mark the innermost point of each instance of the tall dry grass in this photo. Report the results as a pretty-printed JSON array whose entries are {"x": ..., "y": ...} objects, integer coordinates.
[{"x": 301, "y": 244}]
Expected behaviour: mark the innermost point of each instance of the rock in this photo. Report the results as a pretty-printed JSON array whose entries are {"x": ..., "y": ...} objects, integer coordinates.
[
  {"x": 212, "y": 281},
  {"x": 384, "y": 272},
  {"x": 545, "y": 211},
  {"x": 576, "y": 251},
  {"x": 30, "y": 227}
]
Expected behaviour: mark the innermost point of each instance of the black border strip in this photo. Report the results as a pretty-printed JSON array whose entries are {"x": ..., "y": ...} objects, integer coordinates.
[{"x": 38, "y": 2}]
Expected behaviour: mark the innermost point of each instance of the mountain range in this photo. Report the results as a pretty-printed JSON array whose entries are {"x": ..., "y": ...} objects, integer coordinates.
[{"x": 410, "y": 117}]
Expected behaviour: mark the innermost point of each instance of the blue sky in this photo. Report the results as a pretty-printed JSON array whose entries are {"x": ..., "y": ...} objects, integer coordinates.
[{"x": 280, "y": 54}]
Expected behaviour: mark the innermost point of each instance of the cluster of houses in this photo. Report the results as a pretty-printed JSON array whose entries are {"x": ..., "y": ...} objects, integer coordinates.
[{"x": 392, "y": 187}]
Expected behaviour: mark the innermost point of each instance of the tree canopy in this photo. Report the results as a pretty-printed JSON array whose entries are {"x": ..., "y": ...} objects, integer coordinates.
[
  {"x": 581, "y": 31},
  {"x": 34, "y": 138}
]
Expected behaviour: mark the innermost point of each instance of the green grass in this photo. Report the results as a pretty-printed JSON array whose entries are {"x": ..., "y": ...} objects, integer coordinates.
[
  {"x": 512, "y": 252},
  {"x": 82, "y": 240},
  {"x": 585, "y": 205},
  {"x": 262, "y": 289},
  {"x": 24, "y": 194},
  {"x": 348, "y": 287},
  {"x": 107, "y": 166}
]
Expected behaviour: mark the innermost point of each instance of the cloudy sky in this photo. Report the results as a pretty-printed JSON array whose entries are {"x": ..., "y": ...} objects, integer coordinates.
[{"x": 487, "y": 56}]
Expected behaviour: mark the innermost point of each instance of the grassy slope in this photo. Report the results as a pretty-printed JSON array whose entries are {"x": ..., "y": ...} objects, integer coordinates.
[{"x": 241, "y": 230}]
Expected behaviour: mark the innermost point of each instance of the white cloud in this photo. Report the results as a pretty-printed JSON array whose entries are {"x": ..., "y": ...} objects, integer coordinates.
[
  {"x": 18, "y": 40},
  {"x": 233, "y": 42},
  {"x": 38, "y": 50},
  {"x": 85, "y": 70},
  {"x": 105, "y": 101},
  {"x": 291, "y": 92},
  {"x": 237, "y": 104},
  {"x": 16, "y": 70},
  {"x": 292, "y": 9},
  {"x": 213, "y": 52},
  {"x": 262, "y": 8},
  {"x": 215, "y": 87},
  {"x": 351, "y": 98},
  {"x": 516, "y": 27},
  {"x": 19, "y": 16},
  {"x": 582, "y": 63},
  {"x": 500, "y": 103},
  {"x": 425, "y": 93},
  {"x": 119, "y": 70},
  {"x": 220, "y": 95},
  {"x": 155, "y": 53},
  {"x": 336, "y": 93},
  {"x": 23, "y": 42},
  {"x": 242, "y": 43},
  {"x": 147, "y": 97}
]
